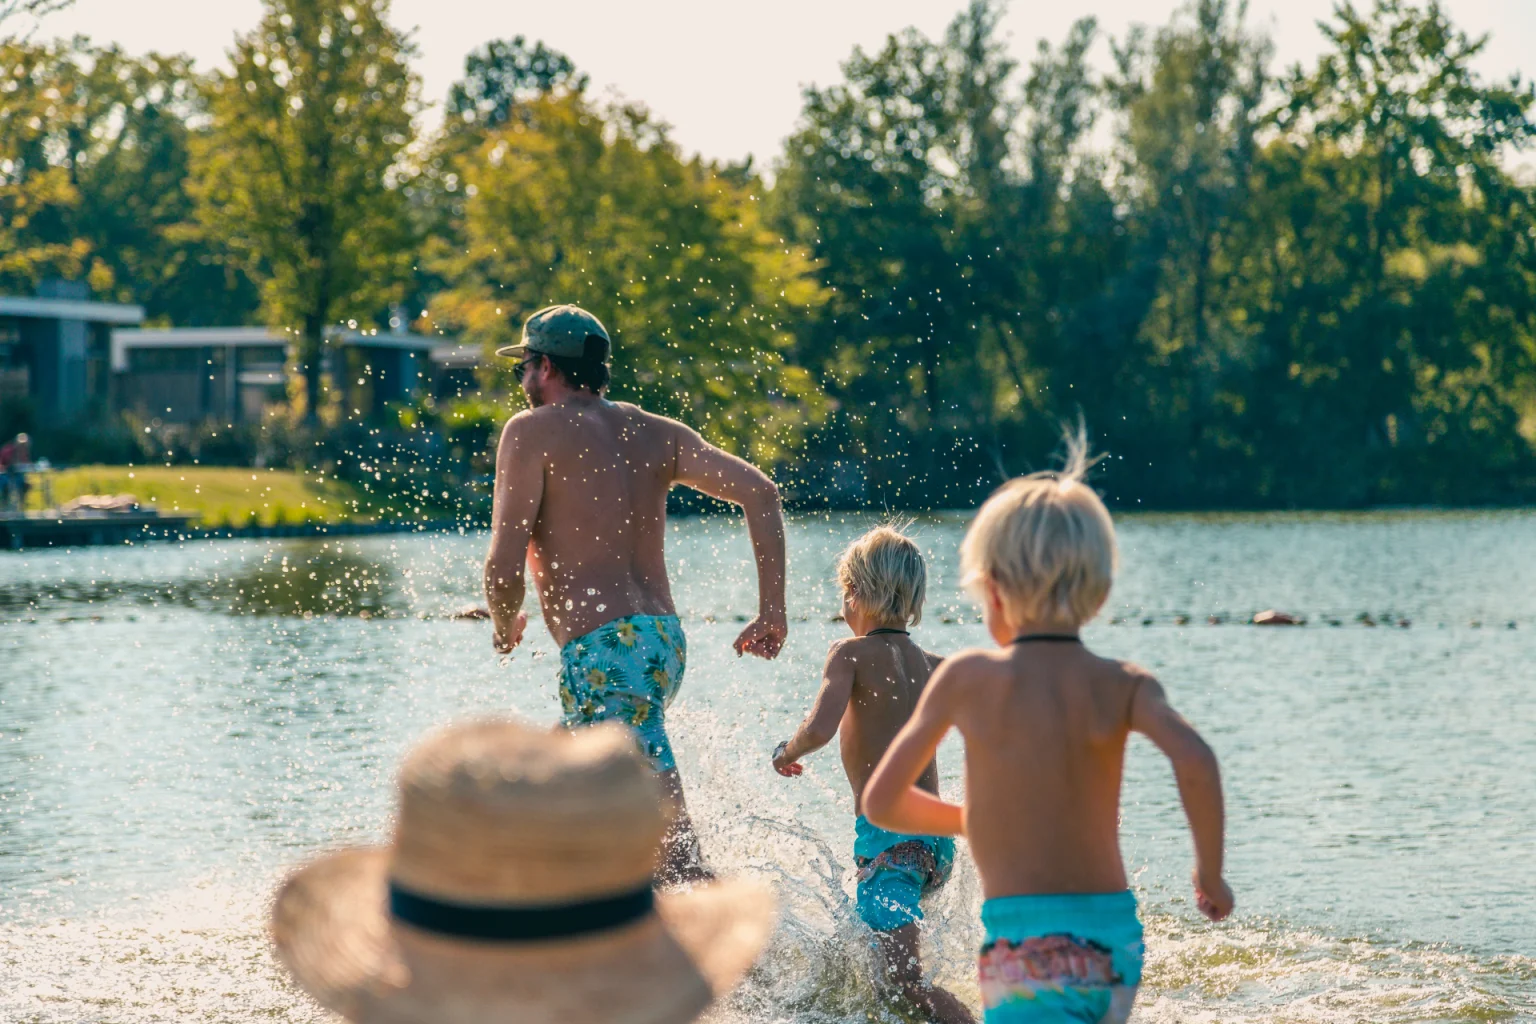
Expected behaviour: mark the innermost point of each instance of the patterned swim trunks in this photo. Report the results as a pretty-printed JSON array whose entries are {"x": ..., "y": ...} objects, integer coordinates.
[
  {"x": 627, "y": 671},
  {"x": 895, "y": 872},
  {"x": 1064, "y": 959}
]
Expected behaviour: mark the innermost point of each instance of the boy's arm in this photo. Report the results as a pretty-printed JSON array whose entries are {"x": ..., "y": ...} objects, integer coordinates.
[
  {"x": 1199, "y": 779},
  {"x": 821, "y": 724},
  {"x": 719, "y": 474},
  {"x": 892, "y": 800}
]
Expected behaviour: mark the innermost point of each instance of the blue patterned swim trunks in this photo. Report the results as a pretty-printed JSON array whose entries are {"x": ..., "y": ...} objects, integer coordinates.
[
  {"x": 895, "y": 872},
  {"x": 1063, "y": 959},
  {"x": 626, "y": 671}
]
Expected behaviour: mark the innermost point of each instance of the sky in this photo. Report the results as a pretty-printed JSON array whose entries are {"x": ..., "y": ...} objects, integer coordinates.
[{"x": 726, "y": 75}]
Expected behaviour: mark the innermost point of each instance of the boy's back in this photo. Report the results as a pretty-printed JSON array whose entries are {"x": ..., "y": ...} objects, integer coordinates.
[
  {"x": 1034, "y": 711},
  {"x": 1045, "y": 724},
  {"x": 889, "y": 672}
]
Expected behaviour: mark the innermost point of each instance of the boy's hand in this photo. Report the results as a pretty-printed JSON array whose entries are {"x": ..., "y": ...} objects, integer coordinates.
[
  {"x": 1214, "y": 898},
  {"x": 785, "y": 767}
]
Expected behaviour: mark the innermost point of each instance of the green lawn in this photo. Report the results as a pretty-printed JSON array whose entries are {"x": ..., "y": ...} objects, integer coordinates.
[{"x": 220, "y": 495}]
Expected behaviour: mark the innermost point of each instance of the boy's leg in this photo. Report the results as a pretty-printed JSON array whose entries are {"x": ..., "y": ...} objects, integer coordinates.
[
  {"x": 682, "y": 860},
  {"x": 903, "y": 969}
]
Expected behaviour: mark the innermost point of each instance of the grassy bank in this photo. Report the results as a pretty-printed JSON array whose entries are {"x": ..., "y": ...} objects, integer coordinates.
[{"x": 225, "y": 496}]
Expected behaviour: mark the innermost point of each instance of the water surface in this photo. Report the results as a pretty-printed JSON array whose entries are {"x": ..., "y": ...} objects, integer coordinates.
[{"x": 178, "y": 723}]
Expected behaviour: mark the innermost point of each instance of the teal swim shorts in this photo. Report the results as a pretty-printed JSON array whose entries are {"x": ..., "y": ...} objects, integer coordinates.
[
  {"x": 627, "y": 671},
  {"x": 895, "y": 871},
  {"x": 1066, "y": 958}
]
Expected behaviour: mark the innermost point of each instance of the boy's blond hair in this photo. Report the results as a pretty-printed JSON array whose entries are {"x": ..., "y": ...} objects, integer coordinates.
[
  {"x": 883, "y": 571},
  {"x": 1047, "y": 542}
]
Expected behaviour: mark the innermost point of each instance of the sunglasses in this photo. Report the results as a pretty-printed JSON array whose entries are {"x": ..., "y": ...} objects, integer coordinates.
[{"x": 522, "y": 368}]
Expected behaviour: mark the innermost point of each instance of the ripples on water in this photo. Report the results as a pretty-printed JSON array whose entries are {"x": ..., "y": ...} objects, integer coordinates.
[{"x": 178, "y": 724}]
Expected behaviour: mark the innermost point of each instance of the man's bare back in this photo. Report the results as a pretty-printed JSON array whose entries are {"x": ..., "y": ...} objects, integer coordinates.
[
  {"x": 598, "y": 545},
  {"x": 581, "y": 496},
  {"x": 889, "y": 673},
  {"x": 1044, "y": 711}
]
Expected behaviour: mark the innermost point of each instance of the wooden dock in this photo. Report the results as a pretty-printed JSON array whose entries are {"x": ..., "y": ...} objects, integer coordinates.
[{"x": 53, "y": 530}]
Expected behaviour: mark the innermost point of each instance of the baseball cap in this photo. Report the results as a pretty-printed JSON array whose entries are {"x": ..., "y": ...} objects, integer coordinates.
[{"x": 560, "y": 331}]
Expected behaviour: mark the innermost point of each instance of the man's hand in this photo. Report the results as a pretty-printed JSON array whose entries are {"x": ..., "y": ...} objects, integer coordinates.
[
  {"x": 764, "y": 636},
  {"x": 781, "y": 764},
  {"x": 1213, "y": 897},
  {"x": 504, "y": 643}
]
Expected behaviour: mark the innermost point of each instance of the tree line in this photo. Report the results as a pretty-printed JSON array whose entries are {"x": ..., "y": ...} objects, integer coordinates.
[{"x": 1303, "y": 287}]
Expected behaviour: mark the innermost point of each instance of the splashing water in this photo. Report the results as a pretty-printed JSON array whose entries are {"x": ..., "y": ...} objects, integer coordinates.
[{"x": 179, "y": 724}]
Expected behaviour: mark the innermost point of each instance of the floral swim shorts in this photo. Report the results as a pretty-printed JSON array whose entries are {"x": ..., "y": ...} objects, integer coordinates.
[{"x": 627, "y": 671}]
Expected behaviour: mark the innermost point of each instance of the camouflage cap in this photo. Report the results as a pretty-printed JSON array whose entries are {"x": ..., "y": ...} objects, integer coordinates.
[{"x": 560, "y": 331}]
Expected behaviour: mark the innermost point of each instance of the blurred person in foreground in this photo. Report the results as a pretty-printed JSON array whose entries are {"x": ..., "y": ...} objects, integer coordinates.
[
  {"x": 870, "y": 686},
  {"x": 518, "y": 889},
  {"x": 581, "y": 498},
  {"x": 1045, "y": 723}
]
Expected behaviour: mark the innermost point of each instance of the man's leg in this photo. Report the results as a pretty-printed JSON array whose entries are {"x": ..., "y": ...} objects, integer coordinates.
[
  {"x": 898, "y": 958},
  {"x": 682, "y": 861}
]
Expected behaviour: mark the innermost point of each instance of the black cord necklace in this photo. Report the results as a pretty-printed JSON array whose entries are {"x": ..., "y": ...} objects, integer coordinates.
[
  {"x": 887, "y": 629},
  {"x": 1061, "y": 638}
]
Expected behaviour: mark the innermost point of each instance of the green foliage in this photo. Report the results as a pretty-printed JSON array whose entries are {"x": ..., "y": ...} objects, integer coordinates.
[
  {"x": 503, "y": 75},
  {"x": 1317, "y": 291},
  {"x": 1315, "y": 288},
  {"x": 300, "y": 167},
  {"x": 500, "y": 79},
  {"x": 96, "y": 145},
  {"x": 572, "y": 204}
]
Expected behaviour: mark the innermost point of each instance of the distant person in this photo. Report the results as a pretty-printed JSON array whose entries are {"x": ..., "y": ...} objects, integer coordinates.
[
  {"x": 15, "y": 457},
  {"x": 581, "y": 498},
  {"x": 517, "y": 889},
  {"x": 870, "y": 686},
  {"x": 1045, "y": 724}
]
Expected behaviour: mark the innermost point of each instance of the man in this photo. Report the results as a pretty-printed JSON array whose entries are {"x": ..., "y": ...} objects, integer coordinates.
[{"x": 581, "y": 498}]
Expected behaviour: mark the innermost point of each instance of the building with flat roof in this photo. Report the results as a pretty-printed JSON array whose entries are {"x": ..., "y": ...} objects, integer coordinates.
[
  {"x": 54, "y": 350},
  {"x": 231, "y": 374}
]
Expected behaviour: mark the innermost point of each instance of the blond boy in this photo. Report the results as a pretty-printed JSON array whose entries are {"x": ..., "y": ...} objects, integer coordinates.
[
  {"x": 870, "y": 686},
  {"x": 1045, "y": 724}
]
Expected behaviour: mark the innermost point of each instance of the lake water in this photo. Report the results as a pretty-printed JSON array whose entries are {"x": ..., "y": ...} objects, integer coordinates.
[{"x": 180, "y": 723}]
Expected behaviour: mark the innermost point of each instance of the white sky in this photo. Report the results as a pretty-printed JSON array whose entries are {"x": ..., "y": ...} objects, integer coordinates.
[{"x": 725, "y": 74}]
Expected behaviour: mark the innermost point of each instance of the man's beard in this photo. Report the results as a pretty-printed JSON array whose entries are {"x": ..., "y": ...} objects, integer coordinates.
[{"x": 535, "y": 394}]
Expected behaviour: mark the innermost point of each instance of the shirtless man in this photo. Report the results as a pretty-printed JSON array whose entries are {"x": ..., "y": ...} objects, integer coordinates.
[
  {"x": 871, "y": 685},
  {"x": 1045, "y": 723},
  {"x": 581, "y": 498}
]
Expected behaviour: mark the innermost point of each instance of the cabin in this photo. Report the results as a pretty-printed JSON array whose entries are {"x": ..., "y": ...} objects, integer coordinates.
[
  {"x": 54, "y": 350},
  {"x": 232, "y": 374}
]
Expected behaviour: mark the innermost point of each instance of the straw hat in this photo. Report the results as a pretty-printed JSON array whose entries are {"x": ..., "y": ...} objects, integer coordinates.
[{"x": 517, "y": 888}]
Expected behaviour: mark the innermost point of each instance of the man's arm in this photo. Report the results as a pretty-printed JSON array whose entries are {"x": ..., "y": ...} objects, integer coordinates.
[
  {"x": 1199, "y": 778},
  {"x": 719, "y": 474},
  {"x": 514, "y": 511},
  {"x": 821, "y": 724},
  {"x": 891, "y": 799}
]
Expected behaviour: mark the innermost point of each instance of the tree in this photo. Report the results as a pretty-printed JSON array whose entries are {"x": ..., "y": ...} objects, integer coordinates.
[
  {"x": 38, "y": 200},
  {"x": 1396, "y": 300},
  {"x": 1191, "y": 100},
  {"x": 569, "y": 203},
  {"x": 502, "y": 75},
  {"x": 499, "y": 78},
  {"x": 865, "y": 183},
  {"x": 300, "y": 168}
]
